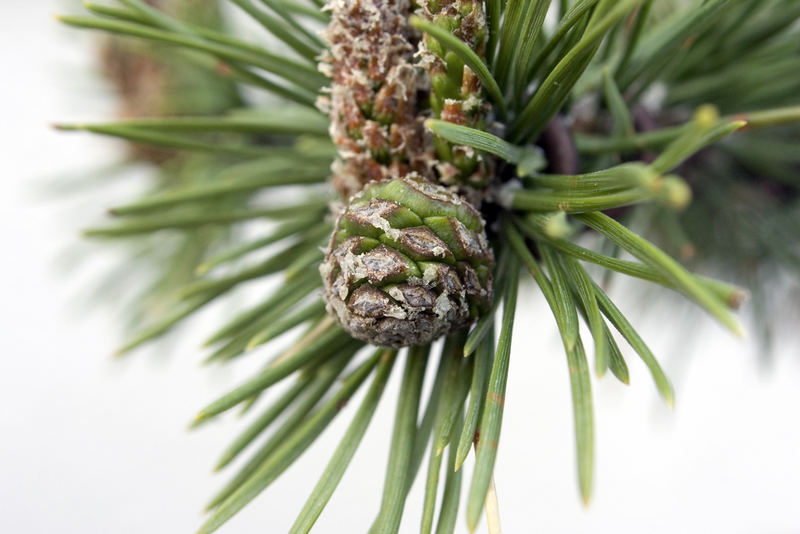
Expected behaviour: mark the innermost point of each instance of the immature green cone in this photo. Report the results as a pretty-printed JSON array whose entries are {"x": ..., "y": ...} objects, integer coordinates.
[{"x": 408, "y": 262}]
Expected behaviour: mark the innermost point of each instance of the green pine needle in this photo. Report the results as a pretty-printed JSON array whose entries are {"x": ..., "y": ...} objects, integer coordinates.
[
  {"x": 491, "y": 420},
  {"x": 289, "y": 449},
  {"x": 564, "y": 133},
  {"x": 400, "y": 454},
  {"x": 346, "y": 450}
]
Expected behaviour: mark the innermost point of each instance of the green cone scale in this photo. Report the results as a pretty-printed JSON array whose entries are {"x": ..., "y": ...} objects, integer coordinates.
[{"x": 408, "y": 263}]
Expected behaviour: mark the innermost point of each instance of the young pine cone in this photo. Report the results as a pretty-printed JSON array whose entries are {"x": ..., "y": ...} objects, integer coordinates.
[{"x": 408, "y": 262}]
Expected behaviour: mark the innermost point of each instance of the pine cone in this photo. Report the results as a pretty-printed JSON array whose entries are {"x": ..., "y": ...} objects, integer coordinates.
[{"x": 407, "y": 263}]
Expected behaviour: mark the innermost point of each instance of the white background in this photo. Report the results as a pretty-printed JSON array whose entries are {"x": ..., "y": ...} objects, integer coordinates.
[{"x": 93, "y": 445}]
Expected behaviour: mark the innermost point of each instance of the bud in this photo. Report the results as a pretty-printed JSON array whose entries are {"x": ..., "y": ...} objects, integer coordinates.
[
  {"x": 374, "y": 100},
  {"x": 456, "y": 93},
  {"x": 408, "y": 262}
]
